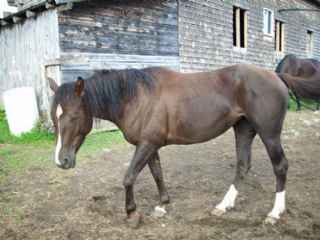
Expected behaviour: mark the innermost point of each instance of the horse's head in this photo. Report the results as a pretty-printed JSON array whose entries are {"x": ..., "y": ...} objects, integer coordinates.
[
  {"x": 72, "y": 120},
  {"x": 289, "y": 64}
]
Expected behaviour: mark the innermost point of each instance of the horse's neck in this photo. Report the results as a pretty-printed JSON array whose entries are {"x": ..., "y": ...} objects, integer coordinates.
[
  {"x": 102, "y": 110},
  {"x": 104, "y": 114}
]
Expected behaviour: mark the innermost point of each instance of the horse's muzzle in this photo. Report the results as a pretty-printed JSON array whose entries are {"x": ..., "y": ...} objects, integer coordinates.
[{"x": 67, "y": 163}]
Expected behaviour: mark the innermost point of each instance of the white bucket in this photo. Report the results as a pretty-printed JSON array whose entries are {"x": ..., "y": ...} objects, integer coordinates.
[{"x": 21, "y": 109}]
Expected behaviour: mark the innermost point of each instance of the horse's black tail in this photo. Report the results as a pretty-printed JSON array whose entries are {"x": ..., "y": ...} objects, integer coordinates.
[{"x": 304, "y": 88}]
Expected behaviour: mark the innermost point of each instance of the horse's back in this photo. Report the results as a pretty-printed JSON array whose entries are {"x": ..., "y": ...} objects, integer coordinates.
[
  {"x": 200, "y": 106},
  {"x": 300, "y": 67}
]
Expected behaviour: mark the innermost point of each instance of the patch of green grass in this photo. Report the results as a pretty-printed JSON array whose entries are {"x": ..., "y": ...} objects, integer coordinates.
[
  {"x": 305, "y": 105},
  {"x": 18, "y": 157},
  {"x": 36, "y": 148},
  {"x": 98, "y": 141},
  {"x": 34, "y": 136},
  {"x": 10, "y": 213}
]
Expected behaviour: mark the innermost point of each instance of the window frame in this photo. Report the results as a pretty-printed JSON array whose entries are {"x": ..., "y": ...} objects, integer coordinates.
[
  {"x": 240, "y": 29},
  {"x": 310, "y": 42},
  {"x": 266, "y": 21},
  {"x": 279, "y": 30}
]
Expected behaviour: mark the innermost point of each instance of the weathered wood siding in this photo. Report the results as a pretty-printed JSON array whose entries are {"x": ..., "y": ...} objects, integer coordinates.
[
  {"x": 118, "y": 34},
  {"x": 24, "y": 49},
  {"x": 84, "y": 64},
  {"x": 206, "y": 33}
]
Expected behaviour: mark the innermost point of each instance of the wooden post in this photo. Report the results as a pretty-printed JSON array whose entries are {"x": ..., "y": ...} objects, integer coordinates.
[
  {"x": 278, "y": 36},
  {"x": 245, "y": 29},
  {"x": 238, "y": 27},
  {"x": 282, "y": 37}
]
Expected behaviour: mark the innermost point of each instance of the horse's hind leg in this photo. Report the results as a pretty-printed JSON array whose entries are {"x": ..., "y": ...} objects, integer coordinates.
[
  {"x": 280, "y": 168},
  {"x": 156, "y": 171},
  {"x": 298, "y": 103},
  {"x": 244, "y": 134}
]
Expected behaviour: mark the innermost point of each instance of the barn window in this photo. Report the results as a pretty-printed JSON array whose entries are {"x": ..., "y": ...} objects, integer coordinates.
[
  {"x": 240, "y": 27},
  {"x": 279, "y": 33},
  {"x": 267, "y": 21},
  {"x": 309, "y": 42}
]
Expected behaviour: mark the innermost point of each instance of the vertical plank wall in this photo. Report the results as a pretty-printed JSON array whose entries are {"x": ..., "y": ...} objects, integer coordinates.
[{"x": 24, "y": 49}]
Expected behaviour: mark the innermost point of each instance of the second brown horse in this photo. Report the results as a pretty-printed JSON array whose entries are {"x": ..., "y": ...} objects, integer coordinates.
[
  {"x": 305, "y": 69},
  {"x": 155, "y": 107}
]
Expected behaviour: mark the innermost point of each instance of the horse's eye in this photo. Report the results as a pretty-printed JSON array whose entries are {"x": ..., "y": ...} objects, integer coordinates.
[{"x": 73, "y": 119}]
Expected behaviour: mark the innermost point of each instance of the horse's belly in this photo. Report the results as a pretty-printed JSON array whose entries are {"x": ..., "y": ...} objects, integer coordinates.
[
  {"x": 196, "y": 123},
  {"x": 196, "y": 133}
]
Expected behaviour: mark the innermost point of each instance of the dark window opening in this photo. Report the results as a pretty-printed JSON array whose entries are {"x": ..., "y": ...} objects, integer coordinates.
[
  {"x": 239, "y": 27},
  {"x": 279, "y": 36}
]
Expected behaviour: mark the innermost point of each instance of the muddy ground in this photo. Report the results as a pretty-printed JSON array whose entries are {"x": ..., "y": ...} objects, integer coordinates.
[{"x": 87, "y": 203}]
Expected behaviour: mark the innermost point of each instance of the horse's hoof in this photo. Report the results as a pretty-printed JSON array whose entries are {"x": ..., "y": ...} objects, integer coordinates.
[
  {"x": 270, "y": 220},
  {"x": 134, "y": 220},
  {"x": 165, "y": 199},
  {"x": 217, "y": 212},
  {"x": 159, "y": 211}
]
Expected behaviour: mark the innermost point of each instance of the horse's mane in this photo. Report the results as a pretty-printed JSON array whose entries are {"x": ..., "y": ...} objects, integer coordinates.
[
  {"x": 281, "y": 63},
  {"x": 106, "y": 89}
]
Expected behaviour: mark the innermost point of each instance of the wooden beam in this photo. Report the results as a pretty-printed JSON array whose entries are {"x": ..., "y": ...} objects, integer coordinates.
[
  {"x": 298, "y": 10},
  {"x": 4, "y": 23},
  {"x": 6, "y": 14},
  {"x": 49, "y": 5},
  {"x": 65, "y": 7},
  {"x": 30, "y": 14},
  {"x": 16, "y": 19}
]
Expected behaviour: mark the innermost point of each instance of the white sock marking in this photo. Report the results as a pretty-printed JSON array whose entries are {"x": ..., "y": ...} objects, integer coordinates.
[
  {"x": 159, "y": 211},
  {"x": 59, "y": 143},
  {"x": 279, "y": 205},
  {"x": 228, "y": 200}
]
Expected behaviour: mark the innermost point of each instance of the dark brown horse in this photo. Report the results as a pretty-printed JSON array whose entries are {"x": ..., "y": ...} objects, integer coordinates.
[
  {"x": 155, "y": 107},
  {"x": 302, "y": 68}
]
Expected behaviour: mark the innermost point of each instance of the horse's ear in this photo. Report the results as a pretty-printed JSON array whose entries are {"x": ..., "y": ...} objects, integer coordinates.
[
  {"x": 52, "y": 84},
  {"x": 79, "y": 88}
]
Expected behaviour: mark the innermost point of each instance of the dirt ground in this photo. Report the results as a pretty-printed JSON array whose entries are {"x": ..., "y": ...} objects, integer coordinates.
[{"x": 88, "y": 202}]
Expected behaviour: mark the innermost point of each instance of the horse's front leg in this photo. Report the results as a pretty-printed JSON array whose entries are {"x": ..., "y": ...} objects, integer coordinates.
[{"x": 144, "y": 152}]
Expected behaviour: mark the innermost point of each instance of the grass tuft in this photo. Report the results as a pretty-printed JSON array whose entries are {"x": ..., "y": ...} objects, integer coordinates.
[
  {"x": 34, "y": 136},
  {"x": 36, "y": 148}
]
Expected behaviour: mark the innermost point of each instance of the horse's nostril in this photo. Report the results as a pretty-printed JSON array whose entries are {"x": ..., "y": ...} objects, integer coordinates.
[{"x": 65, "y": 161}]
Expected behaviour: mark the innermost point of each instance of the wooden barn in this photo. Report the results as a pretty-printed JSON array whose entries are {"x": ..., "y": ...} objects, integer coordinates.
[{"x": 64, "y": 39}]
